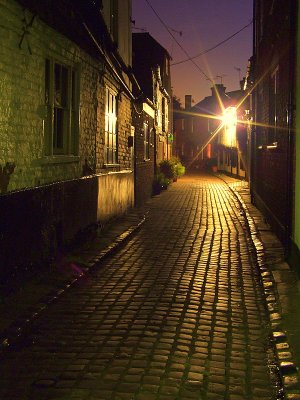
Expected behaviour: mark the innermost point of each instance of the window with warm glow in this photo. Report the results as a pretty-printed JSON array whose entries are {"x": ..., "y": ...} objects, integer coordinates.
[
  {"x": 163, "y": 114},
  {"x": 110, "y": 127}
]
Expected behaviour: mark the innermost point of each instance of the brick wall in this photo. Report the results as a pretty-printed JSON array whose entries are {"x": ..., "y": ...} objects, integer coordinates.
[
  {"x": 144, "y": 169},
  {"x": 37, "y": 222},
  {"x": 22, "y": 105},
  {"x": 272, "y": 163},
  {"x": 48, "y": 201}
]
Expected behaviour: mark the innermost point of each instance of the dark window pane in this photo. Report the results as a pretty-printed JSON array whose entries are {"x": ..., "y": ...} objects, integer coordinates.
[
  {"x": 47, "y": 81},
  {"x": 58, "y": 142}
]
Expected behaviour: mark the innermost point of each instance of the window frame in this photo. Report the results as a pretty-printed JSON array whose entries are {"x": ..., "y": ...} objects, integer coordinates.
[
  {"x": 111, "y": 127},
  {"x": 273, "y": 107},
  {"x": 163, "y": 114},
  {"x": 67, "y": 106}
]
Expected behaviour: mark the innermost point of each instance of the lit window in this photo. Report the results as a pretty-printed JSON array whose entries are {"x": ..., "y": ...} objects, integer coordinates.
[
  {"x": 110, "y": 128},
  {"x": 163, "y": 114},
  {"x": 62, "y": 101}
]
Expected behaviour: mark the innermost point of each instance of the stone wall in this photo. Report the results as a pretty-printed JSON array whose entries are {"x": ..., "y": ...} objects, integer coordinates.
[
  {"x": 47, "y": 199},
  {"x": 273, "y": 145},
  {"x": 36, "y": 223},
  {"x": 22, "y": 99},
  {"x": 115, "y": 194}
]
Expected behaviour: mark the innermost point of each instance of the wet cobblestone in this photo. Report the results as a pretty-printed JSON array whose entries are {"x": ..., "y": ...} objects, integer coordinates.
[{"x": 177, "y": 313}]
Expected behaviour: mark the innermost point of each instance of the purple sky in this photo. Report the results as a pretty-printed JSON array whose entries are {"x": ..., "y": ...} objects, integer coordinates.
[{"x": 204, "y": 23}]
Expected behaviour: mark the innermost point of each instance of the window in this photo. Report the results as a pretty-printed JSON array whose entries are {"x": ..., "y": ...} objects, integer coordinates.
[
  {"x": 110, "y": 128},
  {"x": 146, "y": 141},
  {"x": 62, "y": 102},
  {"x": 273, "y": 107},
  {"x": 163, "y": 114}
]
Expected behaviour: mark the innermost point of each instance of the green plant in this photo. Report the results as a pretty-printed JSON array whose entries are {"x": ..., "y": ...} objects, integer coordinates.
[
  {"x": 160, "y": 183},
  {"x": 178, "y": 167},
  {"x": 167, "y": 167}
]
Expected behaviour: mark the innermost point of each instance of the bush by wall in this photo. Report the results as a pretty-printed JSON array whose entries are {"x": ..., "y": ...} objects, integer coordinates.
[{"x": 169, "y": 170}]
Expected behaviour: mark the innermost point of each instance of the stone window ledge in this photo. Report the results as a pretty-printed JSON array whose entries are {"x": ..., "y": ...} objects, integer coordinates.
[{"x": 63, "y": 159}]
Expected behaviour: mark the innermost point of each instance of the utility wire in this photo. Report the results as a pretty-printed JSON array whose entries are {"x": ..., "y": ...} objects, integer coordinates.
[
  {"x": 182, "y": 48},
  {"x": 214, "y": 47}
]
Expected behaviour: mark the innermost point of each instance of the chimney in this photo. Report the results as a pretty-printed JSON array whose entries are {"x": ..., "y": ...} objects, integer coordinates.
[
  {"x": 188, "y": 101},
  {"x": 220, "y": 88}
]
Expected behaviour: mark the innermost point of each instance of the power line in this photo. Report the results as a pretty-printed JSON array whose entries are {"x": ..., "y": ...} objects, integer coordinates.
[
  {"x": 214, "y": 47},
  {"x": 182, "y": 48}
]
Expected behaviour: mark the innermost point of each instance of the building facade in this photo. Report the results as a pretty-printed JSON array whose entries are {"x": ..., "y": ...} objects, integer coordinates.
[
  {"x": 66, "y": 115},
  {"x": 152, "y": 112},
  {"x": 152, "y": 69},
  {"x": 273, "y": 134},
  {"x": 204, "y": 141}
]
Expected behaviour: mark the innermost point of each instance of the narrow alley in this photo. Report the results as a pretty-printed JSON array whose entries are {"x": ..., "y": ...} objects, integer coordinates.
[{"x": 178, "y": 312}]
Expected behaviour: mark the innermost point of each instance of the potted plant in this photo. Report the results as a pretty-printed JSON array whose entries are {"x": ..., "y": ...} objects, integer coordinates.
[{"x": 160, "y": 183}]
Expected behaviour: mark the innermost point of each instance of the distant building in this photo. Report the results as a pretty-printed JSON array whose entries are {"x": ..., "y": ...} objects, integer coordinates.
[{"x": 202, "y": 139}]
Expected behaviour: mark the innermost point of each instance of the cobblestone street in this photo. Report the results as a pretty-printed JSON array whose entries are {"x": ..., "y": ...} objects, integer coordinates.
[{"x": 178, "y": 312}]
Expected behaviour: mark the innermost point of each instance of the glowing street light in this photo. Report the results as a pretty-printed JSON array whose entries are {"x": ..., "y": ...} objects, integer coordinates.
[
  {"x": 229, "y": 122},
  {"x": 230, "y": 117}
]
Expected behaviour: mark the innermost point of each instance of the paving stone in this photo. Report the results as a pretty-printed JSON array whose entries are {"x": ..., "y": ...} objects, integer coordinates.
[{"x": 178, "y": 312}]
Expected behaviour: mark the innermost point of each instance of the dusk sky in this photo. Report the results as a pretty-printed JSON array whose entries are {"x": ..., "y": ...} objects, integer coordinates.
[{"x": 204, "y": 24}]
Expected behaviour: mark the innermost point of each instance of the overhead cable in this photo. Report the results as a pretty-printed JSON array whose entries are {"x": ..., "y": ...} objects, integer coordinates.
[
  {"x": 176, "y": 41},
  {"x": 213, "y": 47}
]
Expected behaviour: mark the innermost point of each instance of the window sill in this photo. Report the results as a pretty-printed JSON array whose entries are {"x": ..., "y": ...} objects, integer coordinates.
[
  {"x": 147, "y": 159},
  {"x": 108, "y": 166},
  {"x": 63, "y": 159},
  {"x": 268, "y": 147}
]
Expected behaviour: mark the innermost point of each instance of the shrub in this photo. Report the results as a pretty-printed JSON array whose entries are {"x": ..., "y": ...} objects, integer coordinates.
[
  {"x": 169, "y": 170},
  {"x": 167, "y": 167},
  {"x": 160, "y": 183},
  {"x": 178, "y": 167}
]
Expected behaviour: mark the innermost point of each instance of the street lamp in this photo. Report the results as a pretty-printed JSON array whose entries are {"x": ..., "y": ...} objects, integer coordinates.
[{"x": 229, "y": 123}]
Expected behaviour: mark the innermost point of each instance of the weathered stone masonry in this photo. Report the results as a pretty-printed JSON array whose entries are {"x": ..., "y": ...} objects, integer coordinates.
[
  {"x": 47, "y": 199},
  {"x": 22, "y": 104}
]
